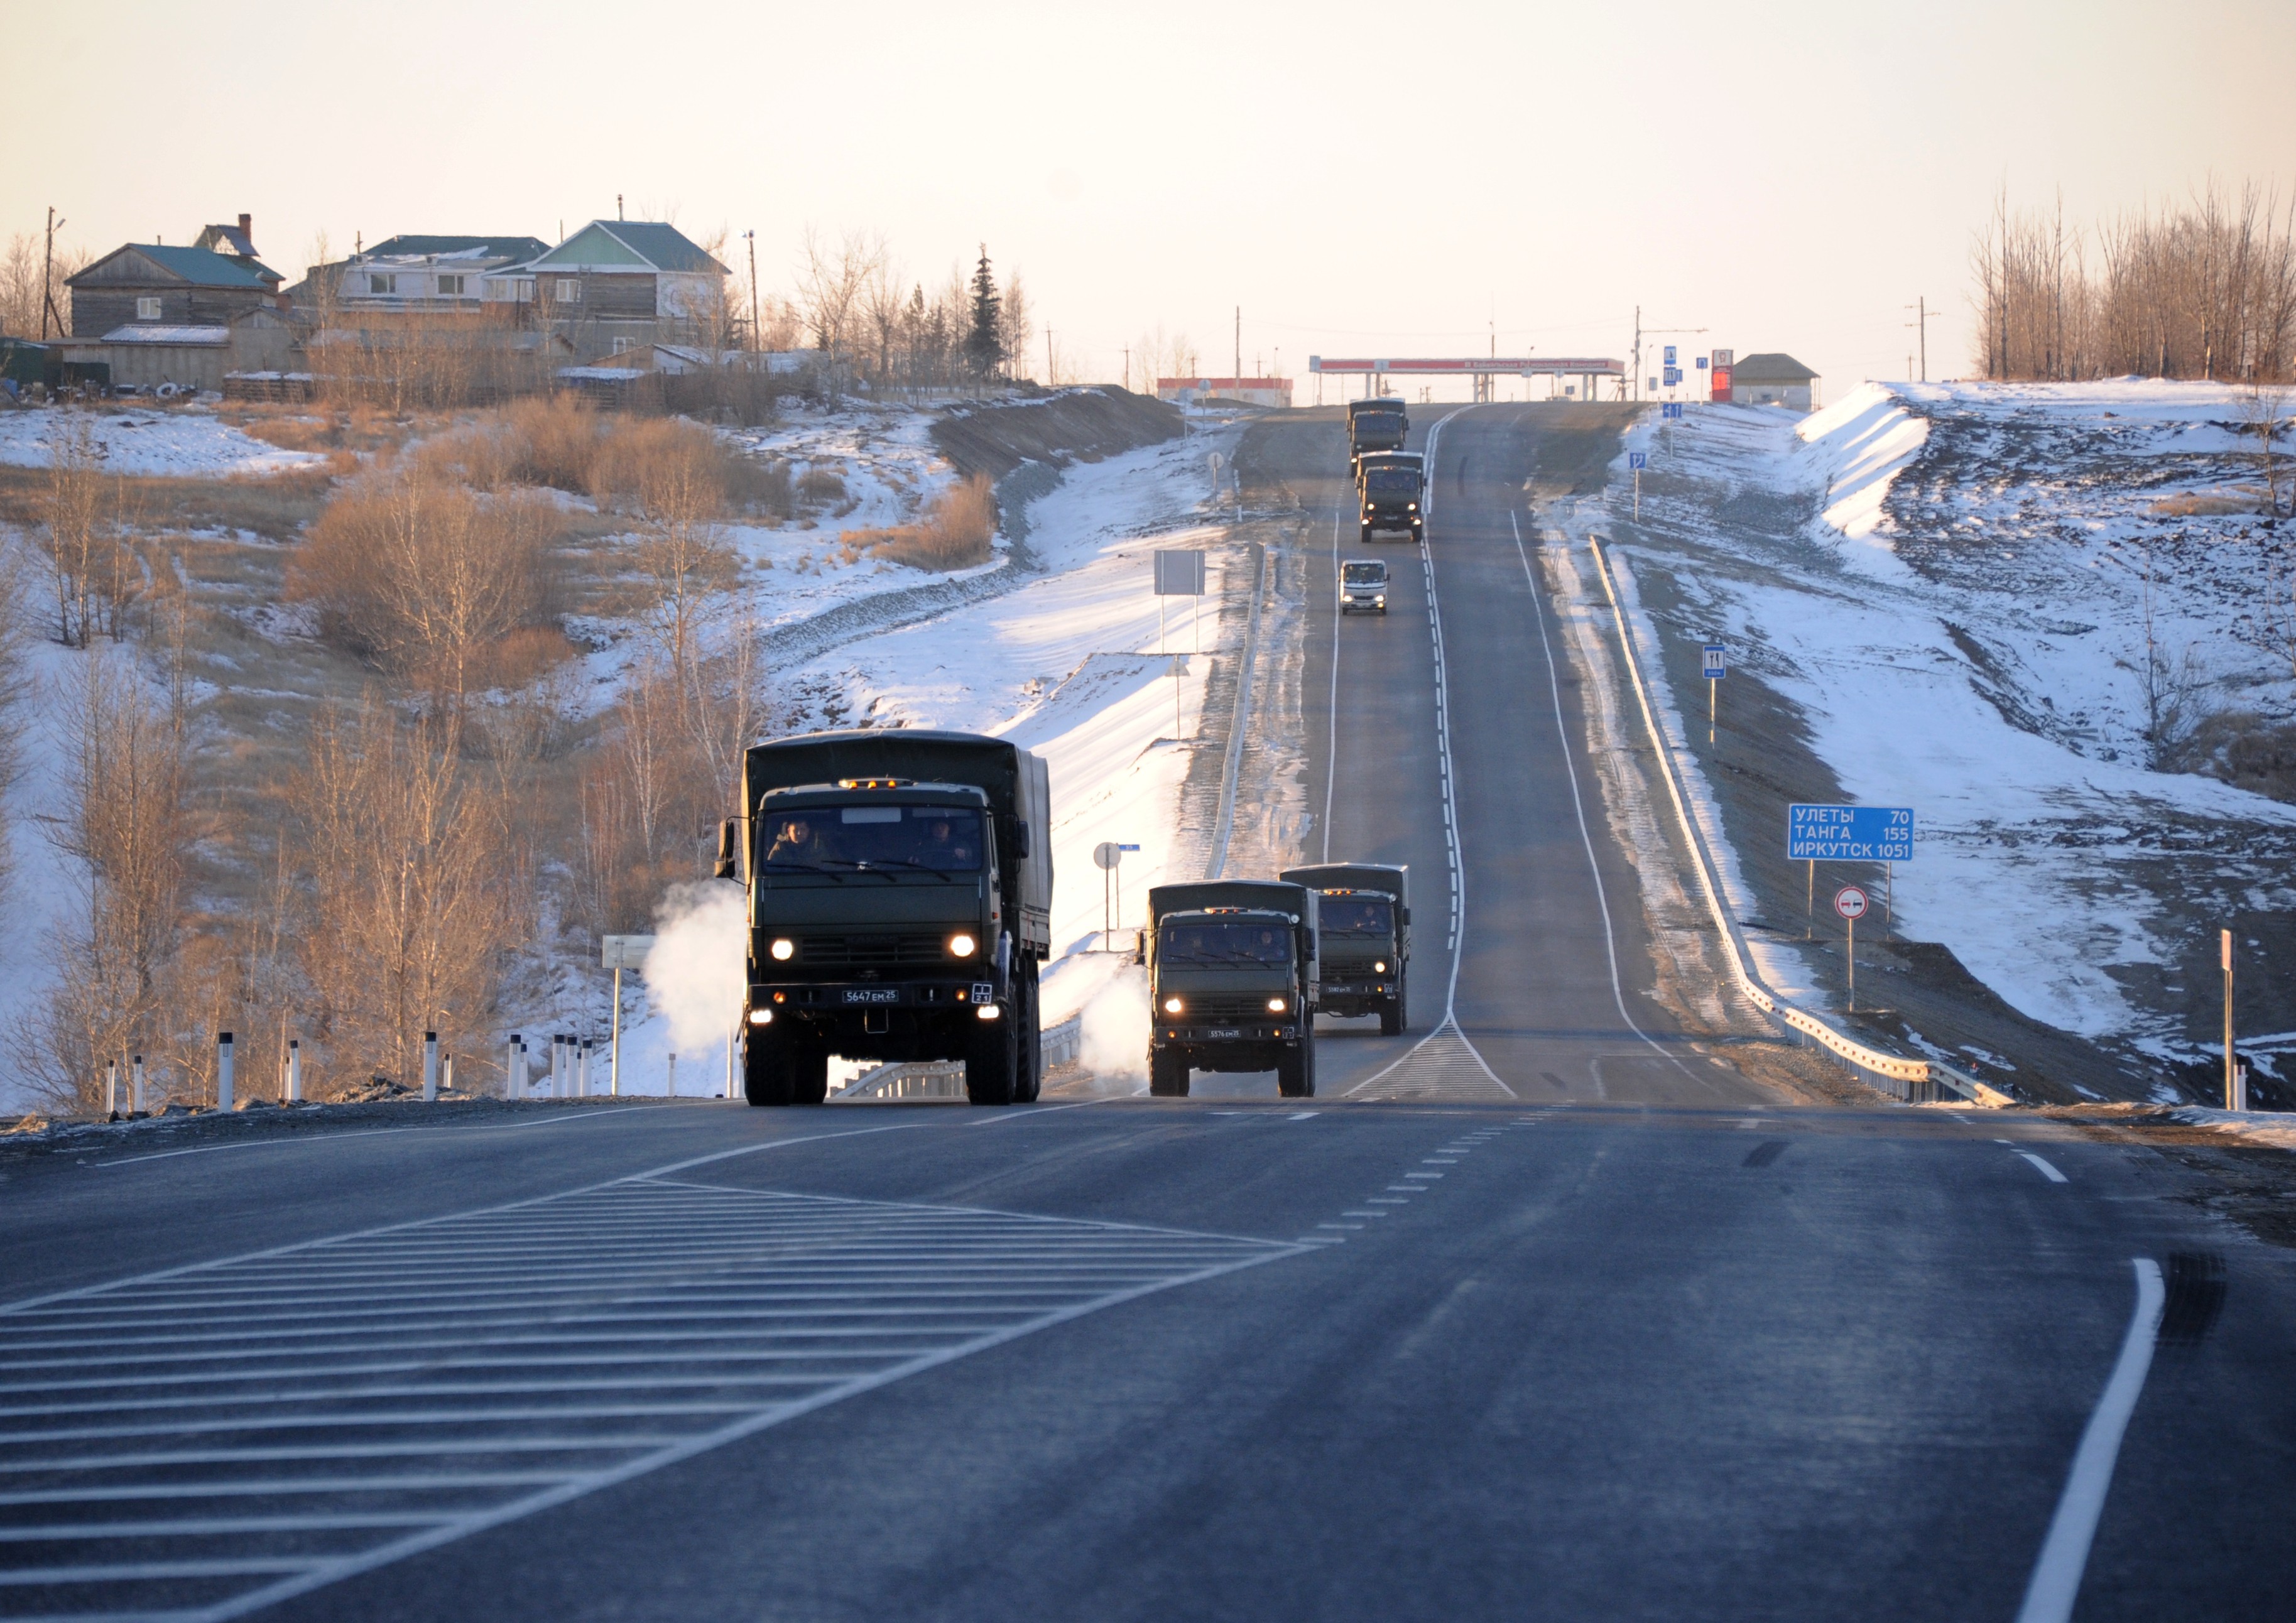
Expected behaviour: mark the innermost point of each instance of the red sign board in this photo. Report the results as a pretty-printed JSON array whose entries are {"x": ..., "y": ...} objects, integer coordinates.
[{"x": 1722, "y": 384}]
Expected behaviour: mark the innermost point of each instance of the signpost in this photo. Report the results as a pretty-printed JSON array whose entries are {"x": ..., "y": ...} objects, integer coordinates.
[
  {"x": 1107, "y": 856},
  {"x": 1671, "y": 409},
  {"x": 1716, "y": 666},
  {"x": 1849, "y": 833},
  {"x": 1636, "y": 459},
  {"x": 1179, "y": 573},
  {"x": 1849, "y": 902},
  {"x": 622, "y": 953}
]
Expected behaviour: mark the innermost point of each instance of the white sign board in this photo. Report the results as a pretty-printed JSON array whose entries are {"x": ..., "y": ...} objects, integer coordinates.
[
  {"x": 1179, "y": 573},
  {"x": 628, "y": 952},
  {"x": 1716, "y": 666}
]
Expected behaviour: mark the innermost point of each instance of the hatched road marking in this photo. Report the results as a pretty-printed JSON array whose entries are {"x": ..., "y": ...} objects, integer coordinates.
[{"x": 337, "y": 1405}]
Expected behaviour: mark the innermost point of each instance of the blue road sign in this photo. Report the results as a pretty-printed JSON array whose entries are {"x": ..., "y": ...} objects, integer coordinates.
[
  {"x": 1849, "y": 833},
  {"x": 1127, "y": 848},
  {"x": 1669, "y": 355},
  {"x": 1701, "y": 363},
  {"x": 1673, "y": 375},
  {"x": 1638, "y": 459},
  {"x": 1717, "y": 657},
  {"x": 1671, "y": 409}
]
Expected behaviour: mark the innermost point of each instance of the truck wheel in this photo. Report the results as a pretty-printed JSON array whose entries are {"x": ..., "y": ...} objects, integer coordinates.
[
  {"x": 1295, "y": 1071},
  {"x": 1168, "y": 1075},
  {"x": 1418, "y": 534},
  {"x": 766, "y": 1074},
  {"x": 809, "y": 1074},
  {"x": 992, "y": 1059},
  {"x": 1367, "y": 534},
  {"x": 1392, "y": 1019},
  {"x": 1031, "y": 1080}
]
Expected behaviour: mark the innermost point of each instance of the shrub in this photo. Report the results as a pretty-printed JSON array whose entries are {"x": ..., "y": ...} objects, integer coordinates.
[
  {"x": 821, "y": 485},
  {"x": 951, "y": 533}
]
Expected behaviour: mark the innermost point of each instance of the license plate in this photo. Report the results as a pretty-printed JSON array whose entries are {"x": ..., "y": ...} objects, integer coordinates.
[
  {"x": 1230, "y": 1031},
  {"x": 873, "y": 995}
]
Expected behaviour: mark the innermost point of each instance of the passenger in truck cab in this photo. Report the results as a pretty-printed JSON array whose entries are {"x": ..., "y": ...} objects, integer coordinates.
[
  {"x": 947, "y": 848},
  {"x": 795, "y": 841}
]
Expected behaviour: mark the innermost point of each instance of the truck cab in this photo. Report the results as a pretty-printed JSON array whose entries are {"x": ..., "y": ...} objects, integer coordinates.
[
  {"x": 1231, "y": 983},
  {"x": 1363, "y": 585},
  {"x": 898, "y": 906},
  {"x": 1364, "y": 913},
  {"x": 1381, "y": 424}
]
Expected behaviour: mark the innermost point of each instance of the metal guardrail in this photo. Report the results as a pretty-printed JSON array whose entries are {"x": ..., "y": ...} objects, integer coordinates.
[
  {"x": 944, "y": 1078},
  {"x": 1906, "y": 1078}
]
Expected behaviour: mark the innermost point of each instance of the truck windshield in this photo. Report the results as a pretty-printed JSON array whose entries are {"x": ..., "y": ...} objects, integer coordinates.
[
  {"x": 1363, "y": 574},
  {"x": 1227, "y": 943},
  {"x": 937, "y": 839},
  {"x": 1391, "y": 481},
  {"x": 1353, "y": 915}
]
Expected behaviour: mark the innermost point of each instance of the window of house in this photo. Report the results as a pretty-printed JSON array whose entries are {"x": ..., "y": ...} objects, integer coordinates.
[
  {"x": 450, "y": 287},
  {"x": 379, "y": 283},
  {"x": 569, "y": 291},
  {"x": 622, "y": 345},
  {"x": 147, "y": 309}
]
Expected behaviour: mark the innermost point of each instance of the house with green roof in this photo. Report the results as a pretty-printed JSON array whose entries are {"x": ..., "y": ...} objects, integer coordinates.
[
  {"x": 158, "y": 285},
  {"x": 615, "y": 286}
]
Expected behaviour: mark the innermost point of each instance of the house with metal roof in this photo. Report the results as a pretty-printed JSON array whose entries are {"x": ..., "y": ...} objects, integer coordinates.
[
  {"x": 155, "y": 284},
  {"x": 1774, "y": 378},
  {"x": 615, "y": 286},
  {"x": 421, "y": 275}
]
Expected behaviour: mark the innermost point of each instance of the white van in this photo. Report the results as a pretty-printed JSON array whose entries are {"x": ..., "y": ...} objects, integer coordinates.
[{"x": 1363, "y": 585}]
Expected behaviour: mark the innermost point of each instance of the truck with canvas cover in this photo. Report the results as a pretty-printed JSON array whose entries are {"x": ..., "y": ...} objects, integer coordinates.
[
  {"x": 900, "y": 887},
  {"x": 1390, "y": 487},
  {"x": 1375, "y": 425},
  {"x": 1364, "y": 918},
  {"x": 1232, "y": 972}
]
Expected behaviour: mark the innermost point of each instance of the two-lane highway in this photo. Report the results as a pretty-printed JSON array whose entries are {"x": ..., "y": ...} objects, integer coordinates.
[{"x": 1529, "y": 1314}]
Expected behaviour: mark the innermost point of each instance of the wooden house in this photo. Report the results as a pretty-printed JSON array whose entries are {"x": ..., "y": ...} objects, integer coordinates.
[
  {"x": 157, "y": 285},
  {"x": 615, "y": 284}
]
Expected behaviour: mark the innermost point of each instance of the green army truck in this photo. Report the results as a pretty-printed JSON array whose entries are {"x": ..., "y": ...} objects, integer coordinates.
[
  {"x": 900, "y": 887},
  {"x": 1379, "y": 424},
  {"x": 1390, "y": 489},
  {"x": 1364, "y": 913},
  {"x": 1232, "y": 982}
]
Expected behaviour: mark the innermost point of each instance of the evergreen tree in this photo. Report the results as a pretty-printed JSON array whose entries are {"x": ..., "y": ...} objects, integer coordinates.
[{"x": 983, "y": 349}]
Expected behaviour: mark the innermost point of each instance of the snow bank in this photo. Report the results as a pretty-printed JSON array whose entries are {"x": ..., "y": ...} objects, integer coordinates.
[{"x": 184, "y": 443}]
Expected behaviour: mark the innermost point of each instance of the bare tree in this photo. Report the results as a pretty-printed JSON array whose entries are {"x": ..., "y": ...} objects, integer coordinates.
[
  {"x": 1016, "y": 329},
  {"x": 831, "y": 284}
]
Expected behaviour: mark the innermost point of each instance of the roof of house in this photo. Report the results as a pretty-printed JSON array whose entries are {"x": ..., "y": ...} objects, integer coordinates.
[
  {"x": 227, "y": 239},
  {"x": 419, "y": 246},
  {"x": 200, "y": 266},
  {"x": 203, "y": 337},
  {"x": 629, "y": 245},
  {"x": 1774, "y": 367}
]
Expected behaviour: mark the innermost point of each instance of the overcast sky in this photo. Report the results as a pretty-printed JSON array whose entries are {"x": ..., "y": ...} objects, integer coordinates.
[{"x": 1391, "y": 177}]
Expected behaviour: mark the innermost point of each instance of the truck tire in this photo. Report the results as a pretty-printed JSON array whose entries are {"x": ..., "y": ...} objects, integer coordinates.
[
  {"x": 992, "y": 1059},
  {"x": 1395, "y": 1016},
  {"x": 1168, "y": 1075},
  {"x": 1367, "y": 534},
  {"x": 767, "y": 1078},
  {"x": 1418, "y": 534},
  {"x": 1295, "y": 1071},
  {"x": 1031, "y": 1079},
  {"x": 808, "y": 1073}
]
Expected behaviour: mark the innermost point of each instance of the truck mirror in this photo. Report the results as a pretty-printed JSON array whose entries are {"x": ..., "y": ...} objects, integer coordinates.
[
  {"x": 1405, "y": 914},
  {"x": 729, "y": 849},
  {"x": 1139, "y": 947},
  {"x": 1020, "y": 839}
]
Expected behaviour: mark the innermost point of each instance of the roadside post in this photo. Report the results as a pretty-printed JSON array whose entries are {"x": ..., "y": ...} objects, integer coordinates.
[
  {"x": 430, "y": 1067},
  {"x": 1717, "y": 667},
  {"x": 1638, "y": 461},
  {"x": 1107, "y": 856},
  {"x": 1818, "y": 833},
  {"x": 135, "y": 1086},
  {"x": 622, "y": 953},
  {"x": 294, "y": 1070},
  {"x": 223, "y": 1070},
  {"x": 2233, "y": 1089},
  {"x": 111, "y": 1087},
  {"x": 1849, "y": 902}
]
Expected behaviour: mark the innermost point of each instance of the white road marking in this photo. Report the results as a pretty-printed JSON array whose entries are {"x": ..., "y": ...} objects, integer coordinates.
[
  {"x": 1303, "y": 1115},
  {"x": 323, "y": 1137},
  {"x": 2047, "y": 1171},
  {"x": 695, "y": 1315},
  {"x": 2056, "y": 1579},
  {"x": 1748, "y": 1124},
  {"x": 1422, "y": 1175},
  {"x": 1332, "y": 744}
]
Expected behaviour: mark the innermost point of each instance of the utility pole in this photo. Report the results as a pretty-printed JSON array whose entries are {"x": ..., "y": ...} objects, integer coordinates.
[
  {"x": 48, "y": 281},
  {"x": 1637, "y": 379},
  {"x": 1239, "y": 351},
  {"x": 757, "y": 339},
  {"x": 1050, "y": 380},
  {"x": 1922, "y": 316},
  {"x": 1127, "y": 366}
]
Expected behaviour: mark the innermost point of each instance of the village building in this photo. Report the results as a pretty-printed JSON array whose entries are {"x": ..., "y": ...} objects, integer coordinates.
[
  {"x": 618, "y": 286},
  {"x": 424, "y": 276},
  {"x": 1775, "y": 379}
]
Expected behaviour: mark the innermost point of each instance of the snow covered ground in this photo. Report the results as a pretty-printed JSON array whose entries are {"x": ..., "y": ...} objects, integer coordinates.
[
  {"x": 184, "y": 442},
  {"x": 1999, "y": 605}
]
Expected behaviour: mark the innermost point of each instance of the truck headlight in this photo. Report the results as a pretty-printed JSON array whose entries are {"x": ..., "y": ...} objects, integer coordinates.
[
  {"x": 1415, "y": 507},
  {"x": 1172, "y": 1005},
  {"x": 961, "y": 946},
  {"x": 761, "y": 1017},
  {"x": 1380, "y": 968},
  {"x": 988, "y": 1011},
  {"x": 783, "y": 949},
  {"x": 1275, "y": 1005}
]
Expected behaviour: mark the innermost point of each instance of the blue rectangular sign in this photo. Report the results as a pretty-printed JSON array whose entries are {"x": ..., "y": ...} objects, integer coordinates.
[
  {"x": 1717, "y": 661},
  {"x": 1637, "y": 459},
  {"x": 1849, "y": 833},
  {"x": 1671, "y": 409},
  {"x": 1669, "y": 355}
]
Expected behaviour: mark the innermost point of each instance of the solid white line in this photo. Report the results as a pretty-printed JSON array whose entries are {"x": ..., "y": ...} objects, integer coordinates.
[
  {"x": 2064, "y": 1555},
  {"x": 1332, "y": 746},
  {"x": 209, "y": 1524},
  {"x": 1578, "y": 804},
  {"x": 1027, "y": 1112},
  {"x": 147, "y": 1570},
  {"x": 2047, "y": 1171},
  {"x": 319, "y": 1137}
]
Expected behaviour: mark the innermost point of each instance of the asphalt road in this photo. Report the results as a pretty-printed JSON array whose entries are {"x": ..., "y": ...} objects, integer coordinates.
[{"x": 1465, "y": 1340}]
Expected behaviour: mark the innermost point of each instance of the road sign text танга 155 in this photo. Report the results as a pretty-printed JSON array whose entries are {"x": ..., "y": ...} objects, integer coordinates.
[{"x": 1849, "y": 833}]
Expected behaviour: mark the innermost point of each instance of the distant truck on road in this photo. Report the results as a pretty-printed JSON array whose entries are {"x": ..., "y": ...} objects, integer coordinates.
[
  {"x": 1363, "y": 585},
  {"x": 1380, "y": 424},
  {"x": 1232, "y": 982},
  {"x": 900, "y": 887},
  {"x": 1363, "y": 919},
  {"x": 1390, "y": 487}
]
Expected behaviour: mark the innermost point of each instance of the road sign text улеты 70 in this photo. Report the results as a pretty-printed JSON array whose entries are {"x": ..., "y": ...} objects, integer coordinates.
[{"x": 1849, "y": 833}]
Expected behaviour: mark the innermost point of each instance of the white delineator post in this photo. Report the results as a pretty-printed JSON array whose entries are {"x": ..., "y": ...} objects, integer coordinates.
[
  {"x": 514, "y": 1084},
  {"x": 294, "y": 1070},
  {"x": 446, "y": 1073},
  {"x": 135, "y": 1086},
  {"x": 2232, "y": 1078},
  {"x": 429, "y": 1066},
  {"x": 223, "y": 1070},
  {"x": 111, "y": 1087},
  {"x": 673, "y": 1076}
]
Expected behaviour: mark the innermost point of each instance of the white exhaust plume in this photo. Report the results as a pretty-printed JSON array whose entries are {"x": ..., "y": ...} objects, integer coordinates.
[
  {"x": 1115, "y": 1030},
  {"x": 694, "y": 972}
]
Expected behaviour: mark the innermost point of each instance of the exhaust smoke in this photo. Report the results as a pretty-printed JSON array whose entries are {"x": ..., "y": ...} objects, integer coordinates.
[{"x": 694, "y": 974}]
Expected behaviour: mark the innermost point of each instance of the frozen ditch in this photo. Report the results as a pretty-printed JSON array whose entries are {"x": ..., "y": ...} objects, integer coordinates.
[{"x": 2019, "y": 611}]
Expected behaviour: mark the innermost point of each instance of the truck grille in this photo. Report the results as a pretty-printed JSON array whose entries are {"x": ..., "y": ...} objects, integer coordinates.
[
  {"x": 1225, "y": 1007},
  {"x": 871, "y": 952}
]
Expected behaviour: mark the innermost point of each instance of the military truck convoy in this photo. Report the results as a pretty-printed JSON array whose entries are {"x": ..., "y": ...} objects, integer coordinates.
[
  {"x": 900, "y": 891},
  {"x": 900, "y": 887},
  {"x": 1390, "y": 487}
]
